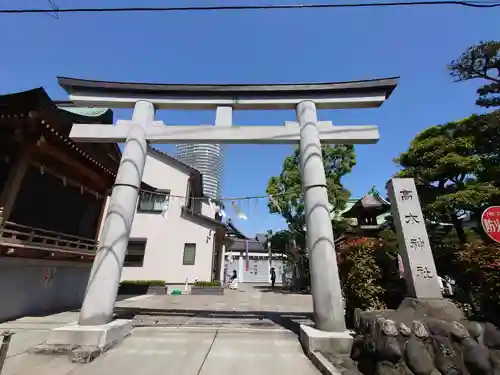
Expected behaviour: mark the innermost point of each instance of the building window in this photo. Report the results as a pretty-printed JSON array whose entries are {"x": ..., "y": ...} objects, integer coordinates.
[
  {"x": 156, "y": 202},
  {"x": 136, "y": 250},
  {"x": 189, "y": 196},
  {"x": 192, "y": 204},
  {"x": 189, "y": 254}
]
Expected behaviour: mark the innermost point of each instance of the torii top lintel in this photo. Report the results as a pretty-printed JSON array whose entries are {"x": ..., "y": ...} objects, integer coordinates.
[{"x": 334, "y": 95}]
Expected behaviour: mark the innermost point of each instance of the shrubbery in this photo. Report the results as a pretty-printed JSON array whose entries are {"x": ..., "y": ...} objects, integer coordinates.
[
  {"x": 361, "y": 276},
  {"x": 206, "y": 284},
  {"x": 144, "y": 282},
  {"x": 477, "y": 271},
  {"x": 369, "y": 273}
]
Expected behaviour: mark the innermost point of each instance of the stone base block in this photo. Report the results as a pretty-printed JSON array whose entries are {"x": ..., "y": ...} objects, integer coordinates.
[
  {"x": 100, "y": 336},
  {"x": 335, "y": 343},
  {"x": 207, "y": 291},
  {"x": 443, "y": 309},
  {"x": 84, "y": 343},
  {"x": 323, "y": 364}
]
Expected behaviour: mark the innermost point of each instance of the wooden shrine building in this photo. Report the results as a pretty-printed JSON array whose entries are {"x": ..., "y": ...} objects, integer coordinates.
[
  {"x": 53, "y": 190},
  {"x": 52, "y": 198}
]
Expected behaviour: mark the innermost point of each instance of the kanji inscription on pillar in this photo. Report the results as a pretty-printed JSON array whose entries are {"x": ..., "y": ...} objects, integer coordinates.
[{"x": 414, "y": 246}]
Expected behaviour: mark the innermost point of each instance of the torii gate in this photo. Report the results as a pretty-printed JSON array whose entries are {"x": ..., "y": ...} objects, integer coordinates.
[{"x": 97, "y": 309}]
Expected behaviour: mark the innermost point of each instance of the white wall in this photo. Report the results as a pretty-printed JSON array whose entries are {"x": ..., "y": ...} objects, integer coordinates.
[
  {"x": 264, "y": 274},
  {"x": 207, "y": 210},
  {"x": 27, "y": 289},
  {"x": 167, "y": 235}
]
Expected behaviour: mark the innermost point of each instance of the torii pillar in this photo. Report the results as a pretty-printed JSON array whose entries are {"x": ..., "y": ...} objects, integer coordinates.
[{"x": 329, "y": 334}]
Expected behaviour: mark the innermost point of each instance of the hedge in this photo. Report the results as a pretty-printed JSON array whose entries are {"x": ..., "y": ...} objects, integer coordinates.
[
  {"x": 144, "y": 282},
  {"x": 206, "y": 284}
]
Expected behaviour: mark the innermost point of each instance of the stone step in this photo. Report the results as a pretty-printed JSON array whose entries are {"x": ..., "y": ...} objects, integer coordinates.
[{"x": 159, "y": 321}]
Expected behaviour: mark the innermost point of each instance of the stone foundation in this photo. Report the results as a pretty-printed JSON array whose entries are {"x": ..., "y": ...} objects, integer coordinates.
[
  {"x": 207, "y": 290},
  {"x": 423, "y": 337},
  {"x": 314, "y": 340},
  {"x": 84, "y": 343}
]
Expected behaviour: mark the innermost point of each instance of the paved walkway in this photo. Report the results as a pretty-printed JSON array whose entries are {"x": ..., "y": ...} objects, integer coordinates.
[
  {"x": 32, "y": 331},
  {"x": 250, "y": 297},
  {"x": 247, "y": 332},
  {"x": 253, "y": 307},
  {"x": 185, "y": 351}
]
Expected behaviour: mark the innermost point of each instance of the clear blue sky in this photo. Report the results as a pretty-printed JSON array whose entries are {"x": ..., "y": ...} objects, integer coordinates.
[{"x": 261, "y": 47}]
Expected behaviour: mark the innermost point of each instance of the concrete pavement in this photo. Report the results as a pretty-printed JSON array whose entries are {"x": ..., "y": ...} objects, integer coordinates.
[
  {"x": 32, "y": 331},
  {"x": 253, "y": 306},
  {"x": 210, "y": 351},
  {"x": 250, "y": 297},
  {"x": 245, "y": 332}
]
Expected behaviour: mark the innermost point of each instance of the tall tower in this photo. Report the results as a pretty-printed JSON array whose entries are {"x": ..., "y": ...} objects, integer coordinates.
[{"x": 208, "y": 159}]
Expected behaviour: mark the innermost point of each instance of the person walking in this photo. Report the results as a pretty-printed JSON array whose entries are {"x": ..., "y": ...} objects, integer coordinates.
[
  {"x": 234, "y": 281},
  {"x": 273, "y": 277}
]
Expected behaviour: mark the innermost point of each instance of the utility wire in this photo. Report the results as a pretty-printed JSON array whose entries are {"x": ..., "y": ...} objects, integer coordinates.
[
  {"x": 471, "y": 4},
  {"x": 55, "y": 8},
  {"x": 251, "y": 197}
]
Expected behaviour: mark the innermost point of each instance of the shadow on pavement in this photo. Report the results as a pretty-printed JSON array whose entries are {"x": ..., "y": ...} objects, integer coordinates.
[
  {"x": 280, "y": 290},
  {"x": 265, "y": 319},
  {"x": 121, "y": 297}
]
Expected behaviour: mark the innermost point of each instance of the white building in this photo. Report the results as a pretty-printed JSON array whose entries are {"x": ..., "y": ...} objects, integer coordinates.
[
  {"x": 173, "y": 238},
  {"x": 251, "y": 259}
]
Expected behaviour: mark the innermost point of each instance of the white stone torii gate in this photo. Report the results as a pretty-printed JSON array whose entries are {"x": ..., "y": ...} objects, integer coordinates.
[{"x": 97, "y": 310}]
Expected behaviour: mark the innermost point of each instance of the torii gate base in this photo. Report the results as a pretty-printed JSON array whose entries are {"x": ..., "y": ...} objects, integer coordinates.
[{"x": 95, "y": 329}]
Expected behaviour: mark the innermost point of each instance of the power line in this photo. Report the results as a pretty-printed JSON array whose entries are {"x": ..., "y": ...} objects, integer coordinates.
[
  {"x": 471, "y": 4},
  {"x": 242, "y": 198}
]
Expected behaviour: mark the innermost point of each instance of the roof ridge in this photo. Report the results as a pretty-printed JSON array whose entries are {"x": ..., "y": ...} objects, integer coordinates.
[
  {"x": 193, "y": 172},
  {"x": 173, "y": 159}
]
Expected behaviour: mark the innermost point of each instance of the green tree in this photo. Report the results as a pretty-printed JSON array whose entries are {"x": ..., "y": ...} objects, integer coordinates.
[
  {"x": 286, "y": 189},
  {"x": 447, "y": 164},
  {"x": 280, "y": 241},
  {"x": 481, "y": 61},
  {"x": 456, "y": 169},
  {"x": 484, "y": 131}
]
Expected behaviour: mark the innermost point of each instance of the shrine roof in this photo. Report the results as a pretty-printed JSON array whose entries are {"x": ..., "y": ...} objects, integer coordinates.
[
  {"x": 38, "y": 99},
  {"x": 82, "y": 111},
  {"x": 59, "y": 120},
  {"x": 232, "y": 230},
  {"x": 238, "y": 244},
  {"x": 369, "y": 202},
  {"x": 386, "y": 85}
]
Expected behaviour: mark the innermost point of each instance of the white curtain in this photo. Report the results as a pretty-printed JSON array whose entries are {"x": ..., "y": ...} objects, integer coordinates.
[
  {"x": 154, "y": 202},
  {"x": 159, "y": 202}
]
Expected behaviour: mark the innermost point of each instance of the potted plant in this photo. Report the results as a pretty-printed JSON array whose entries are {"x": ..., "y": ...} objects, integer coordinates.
[{"x": 213, "y": 288}]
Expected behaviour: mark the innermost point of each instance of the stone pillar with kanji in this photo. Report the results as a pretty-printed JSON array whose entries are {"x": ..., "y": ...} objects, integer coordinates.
[{"x": 414, "y": 246}]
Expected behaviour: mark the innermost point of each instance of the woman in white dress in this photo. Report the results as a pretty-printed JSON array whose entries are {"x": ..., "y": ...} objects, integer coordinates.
[{"x": 234, "y": 281}]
